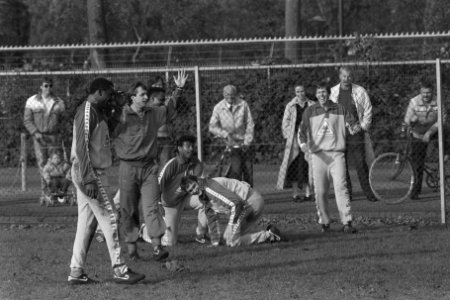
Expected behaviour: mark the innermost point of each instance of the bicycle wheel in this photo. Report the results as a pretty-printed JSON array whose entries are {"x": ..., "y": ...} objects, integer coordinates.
[{"x": 391, "y": 180}]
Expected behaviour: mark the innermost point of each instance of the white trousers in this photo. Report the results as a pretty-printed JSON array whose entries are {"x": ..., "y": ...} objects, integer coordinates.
[
  {"x": 248, "y": 234},
  {"x": 328, "y": 165},
  {"x": 91, "y": 212}
]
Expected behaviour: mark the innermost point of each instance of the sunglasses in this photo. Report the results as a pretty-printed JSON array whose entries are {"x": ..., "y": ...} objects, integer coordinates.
[{"x": 48, "y": 85}]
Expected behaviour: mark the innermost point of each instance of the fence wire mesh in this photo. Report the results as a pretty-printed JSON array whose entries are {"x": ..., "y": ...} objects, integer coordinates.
[{"x": 266, "y": 91}]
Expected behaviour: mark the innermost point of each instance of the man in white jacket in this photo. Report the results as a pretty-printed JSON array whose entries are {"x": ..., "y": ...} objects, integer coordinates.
[{"x": 357, "y": 102}]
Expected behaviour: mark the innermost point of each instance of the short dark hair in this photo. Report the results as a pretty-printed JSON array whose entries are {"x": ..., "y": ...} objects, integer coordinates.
[
  {"x": 47, "y": 79},
  {"x": 426, "y": 83},
  {"x": 185, "y": 138},
  {"x": 137, "y": 85},
  {"x": 185, "y": 180},
  {"x": 100, "y": 83},
  {"x": 323, "y": 85}
]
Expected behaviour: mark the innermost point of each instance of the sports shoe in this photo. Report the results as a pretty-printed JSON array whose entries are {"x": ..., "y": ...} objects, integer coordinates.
[
  {"x": 275, "y": 233},
  {"x": 309, "y": 198},
  {"x": 325, "y": 228},
  {"x": 82, "y": 279},
  {"x": 159, "y": 253},
  {"x": 129, "y": 277},
  {"x": 348, "y": 228},
  {"x": 297, "y": 198},
  {"x": 201, "y": 239}
]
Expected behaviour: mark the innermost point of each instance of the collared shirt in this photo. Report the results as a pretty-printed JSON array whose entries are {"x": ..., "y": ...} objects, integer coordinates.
[
  {"x": 237, "y": 123},
  {"x": 170, "y": 176},
  {"x": 422, "y": 116}
]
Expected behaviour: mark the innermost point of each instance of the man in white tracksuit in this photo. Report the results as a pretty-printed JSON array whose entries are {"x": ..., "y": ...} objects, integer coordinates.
[{"x": 237, "y": 199}]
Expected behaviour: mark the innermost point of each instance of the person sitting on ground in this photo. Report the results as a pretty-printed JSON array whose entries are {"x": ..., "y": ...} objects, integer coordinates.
[
  {"x": 55, "y": 173},
  {"x": 237, "y": 199}
]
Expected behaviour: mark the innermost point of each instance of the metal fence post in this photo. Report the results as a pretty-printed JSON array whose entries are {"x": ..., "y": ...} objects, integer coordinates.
[
  {"x": 23, "y": 160},
  {"x": 441, "y": 139},
  {"x": 198, "y": 108}
]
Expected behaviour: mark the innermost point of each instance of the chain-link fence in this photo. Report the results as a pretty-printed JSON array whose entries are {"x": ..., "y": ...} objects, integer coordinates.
[{"x": 266, "y": 90}]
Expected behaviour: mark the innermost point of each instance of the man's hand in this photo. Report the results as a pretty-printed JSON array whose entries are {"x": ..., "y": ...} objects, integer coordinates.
[
  {"x": 304, "y": 148},
  {"x": 91, "y": 190},
  {"x": 180, "y": 80},
  {"x": 355, "y": 129},
  {"x": 426, "y": 137},
  {"x": 38, "y": 137}
]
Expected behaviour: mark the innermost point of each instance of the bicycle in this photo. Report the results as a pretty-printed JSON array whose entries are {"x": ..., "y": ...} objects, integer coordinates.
[{"x": 392, "y": 176}]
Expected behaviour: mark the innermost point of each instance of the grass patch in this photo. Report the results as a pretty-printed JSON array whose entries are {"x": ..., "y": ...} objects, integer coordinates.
[{"x": 378, "y": 263}]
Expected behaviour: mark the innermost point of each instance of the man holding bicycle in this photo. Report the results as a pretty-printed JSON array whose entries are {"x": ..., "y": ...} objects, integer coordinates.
[
  {"x": 232, "y": 120},
  {"x": 422, "y": 117}
]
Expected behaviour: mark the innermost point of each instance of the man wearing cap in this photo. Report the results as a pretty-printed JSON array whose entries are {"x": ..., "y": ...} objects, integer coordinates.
[
  {"x": 136, "y": 146},
  {"x": 232, "y": 120},
  {"x": 165, "y": 133},
  {"x": 42, "y": 118}
]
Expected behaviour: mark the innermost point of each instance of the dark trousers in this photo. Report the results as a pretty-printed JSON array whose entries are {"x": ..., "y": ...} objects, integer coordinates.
[
  {"x": 57, "y": 184},
  {"x": 242, "y": 165},
  {"x": 356, "y": 148},
  {"x": 418, "y": 154},
  {"x": 139, "y": 188}
]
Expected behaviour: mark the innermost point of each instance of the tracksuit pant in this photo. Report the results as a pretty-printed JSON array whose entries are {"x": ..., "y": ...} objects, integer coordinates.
[
  {"x": 172, "y": 217},
  {"x": 91, "y": 212},
  {"x": 248, "y": 234},
  {"x": 328, "y": 165},
  {"x": 138, "y": 184}
]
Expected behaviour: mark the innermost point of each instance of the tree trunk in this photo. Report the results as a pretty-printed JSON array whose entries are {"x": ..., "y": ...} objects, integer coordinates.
[
  {"x": 292, "y": 22},
  {"x": 97, "y": 32}
]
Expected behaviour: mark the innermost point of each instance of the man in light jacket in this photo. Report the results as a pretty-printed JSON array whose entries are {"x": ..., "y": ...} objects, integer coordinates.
[{"x": 357, "y": 102}]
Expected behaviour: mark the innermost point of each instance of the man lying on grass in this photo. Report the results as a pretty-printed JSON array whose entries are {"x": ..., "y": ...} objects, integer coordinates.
[{"x": 243, "y": 204}]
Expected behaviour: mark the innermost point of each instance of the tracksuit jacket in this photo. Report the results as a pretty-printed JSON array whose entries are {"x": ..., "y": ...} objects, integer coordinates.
[
  {"x": 135, "y": 138},
  {"x": 219, "y": 199},
  {"x": 323, "y": 128},
  {"x": 96, "y": 155},
  {"x": 37, "y": 119},
  {"x": 170, "y": 176}
]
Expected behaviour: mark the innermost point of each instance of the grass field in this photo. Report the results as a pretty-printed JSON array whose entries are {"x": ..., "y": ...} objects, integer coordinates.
[
  {"x": 394, "y": 256},
  {"x": 401, "y": 252}
]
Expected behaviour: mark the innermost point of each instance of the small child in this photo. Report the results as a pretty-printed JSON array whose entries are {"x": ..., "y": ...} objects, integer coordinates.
[{"x": 55, "y": 174}]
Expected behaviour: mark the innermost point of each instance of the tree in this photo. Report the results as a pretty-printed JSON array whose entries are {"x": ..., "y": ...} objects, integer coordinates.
[
  {"x": 97, "y": 32},
  {"x": 292, "y": 22}
]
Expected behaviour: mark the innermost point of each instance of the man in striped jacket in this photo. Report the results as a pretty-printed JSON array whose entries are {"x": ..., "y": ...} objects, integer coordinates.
[
  {"x": 322, "y": 133},
  {"x": 237, "y": 199}
]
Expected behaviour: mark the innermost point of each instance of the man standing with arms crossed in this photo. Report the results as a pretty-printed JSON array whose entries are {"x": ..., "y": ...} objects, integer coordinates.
[
  {"x": 136, "y": 146},
  {"x": 91, "y": 157},
  {"x": 232, "y": 120},
  {"x": 42, "y": 118},
  {"x": 357, "y": 102},
  {"x": 322, "y": 132}
]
